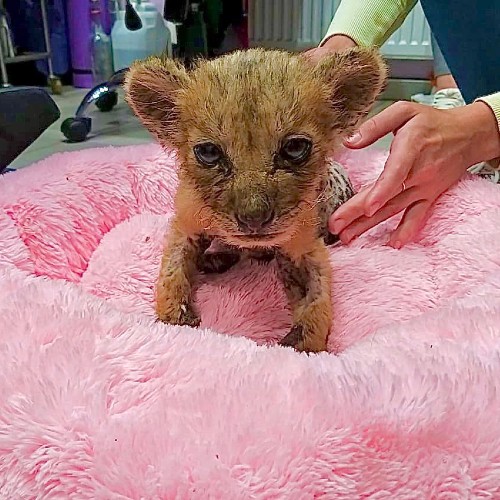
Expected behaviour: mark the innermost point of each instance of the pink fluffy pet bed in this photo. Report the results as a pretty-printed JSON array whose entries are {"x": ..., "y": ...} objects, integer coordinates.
[{"x": 100, "y": 402}]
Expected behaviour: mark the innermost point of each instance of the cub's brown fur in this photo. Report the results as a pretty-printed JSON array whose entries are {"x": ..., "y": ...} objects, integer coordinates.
[{"x": 253, "y": 130}]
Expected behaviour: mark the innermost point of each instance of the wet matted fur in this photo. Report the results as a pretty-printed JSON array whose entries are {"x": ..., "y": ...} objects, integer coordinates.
[{"x": 254, "y": 130}]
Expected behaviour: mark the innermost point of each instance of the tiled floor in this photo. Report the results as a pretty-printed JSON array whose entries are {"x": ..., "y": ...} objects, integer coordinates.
[{"x": 116, "y": 128}]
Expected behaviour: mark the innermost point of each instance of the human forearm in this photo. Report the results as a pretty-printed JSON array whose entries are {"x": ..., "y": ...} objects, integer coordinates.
[{"x": 369, "y": 22}]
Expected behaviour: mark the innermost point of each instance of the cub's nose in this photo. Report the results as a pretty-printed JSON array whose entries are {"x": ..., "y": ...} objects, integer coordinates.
[{"x": 254, "y": 221}]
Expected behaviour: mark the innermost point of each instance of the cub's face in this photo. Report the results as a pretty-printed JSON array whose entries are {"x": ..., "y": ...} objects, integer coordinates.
[{"x": 253, "y": 130}]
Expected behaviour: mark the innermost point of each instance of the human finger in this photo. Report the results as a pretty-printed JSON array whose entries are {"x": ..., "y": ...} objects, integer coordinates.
[
  {"x": 413, "y": 220},
  {"x": 385, "y": 122},
  {"x": 391, "y": 208},
  {"x": 391, "y": 182},
  {"x": 348, "y": 212}
]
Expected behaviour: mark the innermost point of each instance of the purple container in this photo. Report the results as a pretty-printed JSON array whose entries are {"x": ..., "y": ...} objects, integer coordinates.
[
  {"x": 79, "y": 25},
  {"x": 106, "y": 20}
]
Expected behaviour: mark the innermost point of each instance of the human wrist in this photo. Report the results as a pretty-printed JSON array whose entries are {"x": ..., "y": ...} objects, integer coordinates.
[
  {"x": 480, "y": 122},
  {"x": 339, "y": 42}
]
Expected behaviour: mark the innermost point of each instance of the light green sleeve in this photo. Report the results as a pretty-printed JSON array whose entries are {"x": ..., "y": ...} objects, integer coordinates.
[
  {"x": 369, "y": 22},
  {"x": 493, "y": 101}
]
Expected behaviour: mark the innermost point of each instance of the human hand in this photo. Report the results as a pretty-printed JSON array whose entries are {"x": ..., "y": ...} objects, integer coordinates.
[
  {"x": 336, "y": 43},
  {"x": 431, "y": 151}
]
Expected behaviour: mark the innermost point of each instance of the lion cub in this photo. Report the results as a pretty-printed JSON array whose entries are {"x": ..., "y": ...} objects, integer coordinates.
[{"x": 253, "y": 130}]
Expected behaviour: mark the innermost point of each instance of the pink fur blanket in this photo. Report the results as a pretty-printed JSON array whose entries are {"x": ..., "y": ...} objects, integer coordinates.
[{"x": 99, "y": 402}]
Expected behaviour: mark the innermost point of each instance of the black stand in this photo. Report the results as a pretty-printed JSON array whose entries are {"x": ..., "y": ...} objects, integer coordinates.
[{"x": 24, "y": 114}]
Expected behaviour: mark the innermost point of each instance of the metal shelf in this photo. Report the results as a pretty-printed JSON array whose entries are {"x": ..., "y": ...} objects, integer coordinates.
[
  {"x": 54, "y": 82},
  {"x": 29, "y": 56}
]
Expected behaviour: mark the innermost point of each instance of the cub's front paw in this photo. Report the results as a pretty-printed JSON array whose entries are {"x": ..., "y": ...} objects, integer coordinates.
[
  {"x": 177, "y": 314},
  {"x": 302, "y": 340}
]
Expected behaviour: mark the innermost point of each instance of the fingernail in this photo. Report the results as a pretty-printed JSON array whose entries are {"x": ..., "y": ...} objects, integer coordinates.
[
  {"x": 338, "y": 225},
  {"x": 397, "y": 245},
  {"x": 354, "y": 138},
  {"x": 373, "y": 208},
  {"x": 346, "y": 237}
]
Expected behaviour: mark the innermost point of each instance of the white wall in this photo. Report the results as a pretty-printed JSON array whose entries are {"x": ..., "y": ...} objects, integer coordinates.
[{"x": 299, "y": 24}]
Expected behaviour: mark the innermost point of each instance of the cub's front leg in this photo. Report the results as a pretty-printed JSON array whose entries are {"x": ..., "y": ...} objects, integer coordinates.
[
  {"x": 174, "y": 285},
  {"x": 307, "y": 281}
]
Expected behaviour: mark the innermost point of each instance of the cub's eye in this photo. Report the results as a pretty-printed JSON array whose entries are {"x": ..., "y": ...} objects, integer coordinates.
[
  {"x": 296, "y": 149},
  {"x": 208, "y": 153}
]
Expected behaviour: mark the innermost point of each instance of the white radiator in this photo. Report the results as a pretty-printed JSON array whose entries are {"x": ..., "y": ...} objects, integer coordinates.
[{"x": 300, "y": 24}]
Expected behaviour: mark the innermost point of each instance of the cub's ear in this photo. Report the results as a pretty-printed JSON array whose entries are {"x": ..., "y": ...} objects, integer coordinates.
[
  {"x": 353, "y": 79},
  {"x": 152, "y": 90}
]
